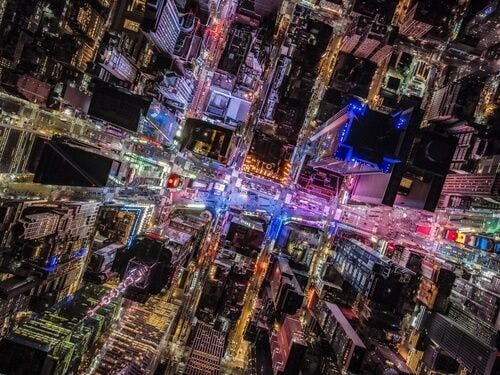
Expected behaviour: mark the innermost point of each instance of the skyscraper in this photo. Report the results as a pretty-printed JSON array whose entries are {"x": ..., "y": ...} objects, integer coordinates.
[{"x": 162, "y": 25}]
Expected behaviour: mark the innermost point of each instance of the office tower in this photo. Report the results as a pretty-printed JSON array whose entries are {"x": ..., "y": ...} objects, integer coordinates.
[
  {"x": 404, "y": 81},
  {"x": 16, "y": 144},
  {"x": 53, "y": 42},
  {"x": 124, "y": 50},
  {"x": 416, "y": 182},
  {"x": 471, "y": 354},
  {"x": 161, "y": 24},
  {"x": 126, "y": 110},
  {"x": 45, "y": 251},
  {"x": 299, "y": 243},
  {"x": 378, "y": 283},
  {"x": 176, "y": 90},
  {"x": 287, "y": 347},
  {"x": 189, "y": 41},
  {"x": 435, "y": 286},
  {"x": 348, "y": 347},
  {"x": 479, "y": 24},
  {"x": 223, "y": 297},
  {"x": 99, "y": 269},
  {"x": 285, "y": 290},
  {"x": 268, "y": 158},
  {"x": 427, "y": 19},
  {"x": 341, "y": 144},
  {"x": 261, "y": 8},
  {"x": 138, "y": 338},
  {"x": 480, "y": 184},
  {"x": 61, "y": 338},
  {"x": 207, "y": 350},
  {"x": 369, "y": 37},
  {"x": 353, "y": 74},
  {"x": 458, "y": 99},
  {"x": 120, "y": 223},
  {"x": 148, "y": 252}
]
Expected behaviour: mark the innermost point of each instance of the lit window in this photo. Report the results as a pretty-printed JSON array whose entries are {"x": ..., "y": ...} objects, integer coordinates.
[
  {"x": 131, "y": 25},
  {"x": 137, "y": 6}
]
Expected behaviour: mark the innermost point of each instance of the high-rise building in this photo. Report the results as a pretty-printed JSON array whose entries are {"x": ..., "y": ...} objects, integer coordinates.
[
  {"x": 124, "y": 50},
  {"x": 55, "y": 41},
  {"x": 462, "y": 345},
  {"x": 60, "y": 339},
  {"x": 418, "y": 179},
  {"x": 161, "y": 24},
  {"x": 369, "y": 37},
  {"x": 348, "y": 347},
  {"x": 342, "y": 144},
  {"x": 429, "y": 19},
  {"x": 138, "y": 338},
  {"x": 458, "y": 99},
  {"x": 15, "y": 145},
  {"x": 481, "y": 23},
  {"x": 435, "y": 286},
  {"x": 482, "y": 184},
  {"x": 176, "y": 90},
  {"x": 189, "y": 42},
  {"x": 375, "y": 277},
  {"x": 261, "y": 8},
  {"x": 45, "y": 249},
  {"x": 288, "y": 347},
  {"x": 207, "y": 350},
  {"x": 285, "y": 289},
  {"x": 203, "y": 138}
]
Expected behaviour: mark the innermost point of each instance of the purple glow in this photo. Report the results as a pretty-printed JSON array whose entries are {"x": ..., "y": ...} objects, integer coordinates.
[{"x": 135, "y": 276}]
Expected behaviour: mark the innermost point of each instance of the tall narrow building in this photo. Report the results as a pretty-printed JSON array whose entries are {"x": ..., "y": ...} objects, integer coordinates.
[{"x": 162, "y": 25}]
